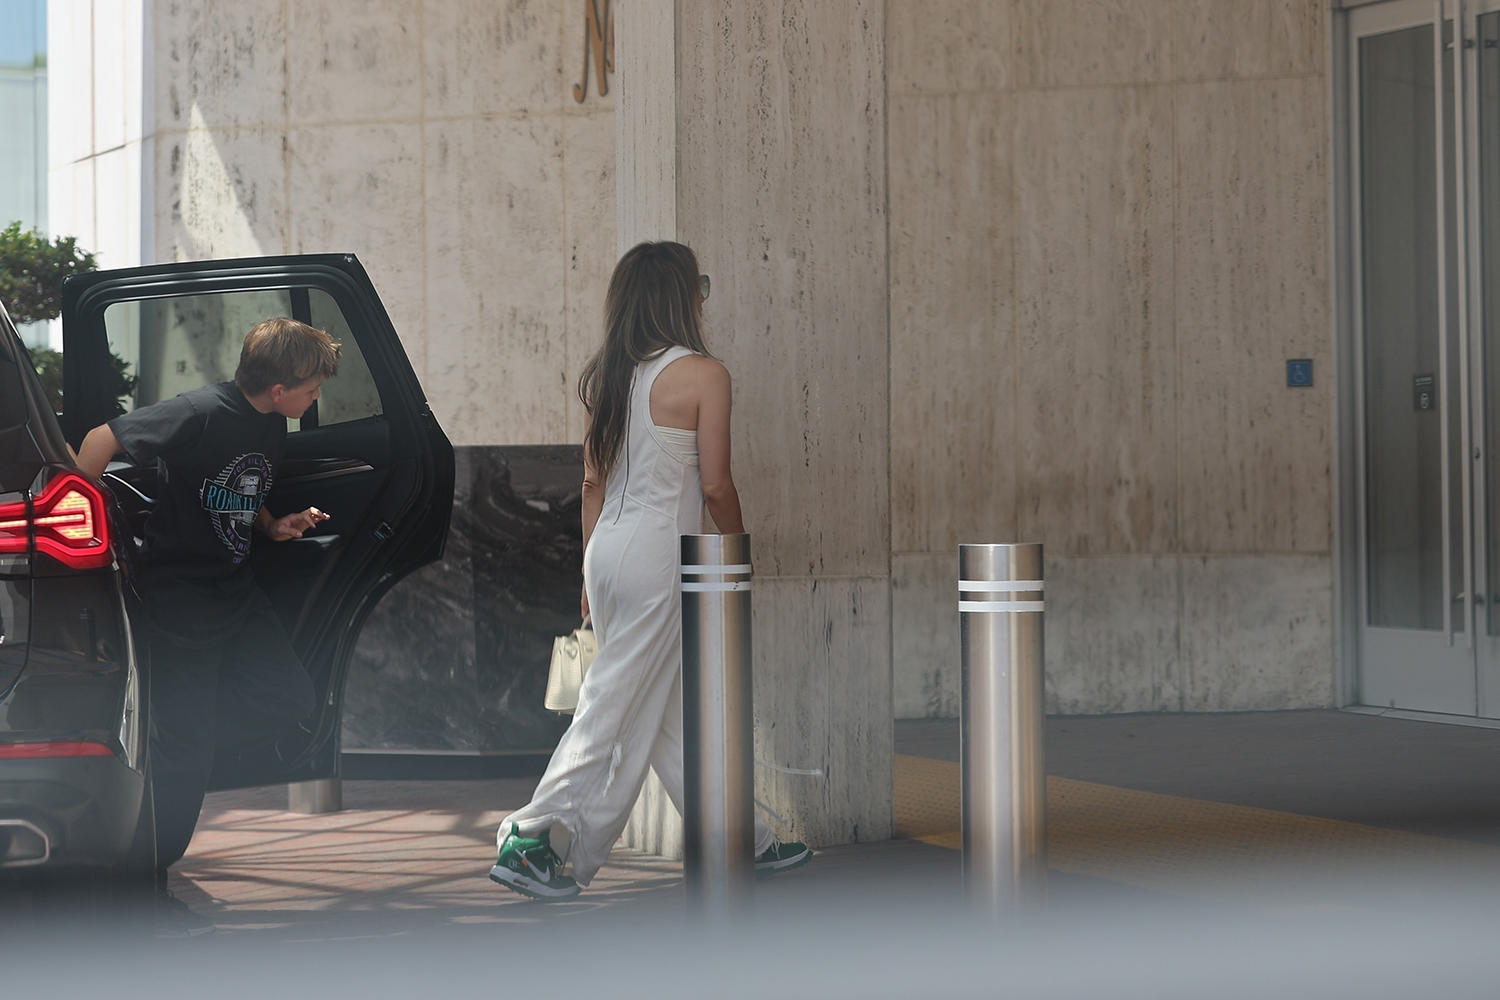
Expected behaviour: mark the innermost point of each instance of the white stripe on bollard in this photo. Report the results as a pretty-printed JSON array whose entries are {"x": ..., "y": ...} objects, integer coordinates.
[
  {"x": 994, "y": 606},
  {"x": 997, "y": 586}
]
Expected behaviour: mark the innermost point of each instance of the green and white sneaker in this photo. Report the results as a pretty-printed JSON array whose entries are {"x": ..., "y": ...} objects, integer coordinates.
[
  {"x": 531, "y": 867},
  {"x": 781, "y": 857}
]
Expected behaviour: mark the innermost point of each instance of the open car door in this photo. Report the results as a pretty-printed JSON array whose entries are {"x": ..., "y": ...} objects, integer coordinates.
[{"x": 369, "y": 452}]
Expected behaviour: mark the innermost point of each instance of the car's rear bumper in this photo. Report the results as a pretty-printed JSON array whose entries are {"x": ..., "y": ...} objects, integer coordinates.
[{"x": 87, "y": 808}]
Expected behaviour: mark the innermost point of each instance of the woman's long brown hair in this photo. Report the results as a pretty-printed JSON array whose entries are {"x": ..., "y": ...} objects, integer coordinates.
[{"x": 651, "y": 306}]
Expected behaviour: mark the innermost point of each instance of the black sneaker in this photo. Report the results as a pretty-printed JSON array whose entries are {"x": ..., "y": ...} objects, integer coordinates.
[
  {"x": 781, "y": 857},
  {"x": 176, "y": 920}
]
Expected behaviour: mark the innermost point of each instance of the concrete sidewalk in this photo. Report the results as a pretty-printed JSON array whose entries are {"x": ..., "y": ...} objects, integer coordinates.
[
  {"x": 409, "y": 855},
  {"x": 1314, "y": 808}
]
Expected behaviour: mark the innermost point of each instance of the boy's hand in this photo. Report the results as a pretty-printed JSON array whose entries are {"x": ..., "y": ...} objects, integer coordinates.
[{"x": 293, "y": 525}]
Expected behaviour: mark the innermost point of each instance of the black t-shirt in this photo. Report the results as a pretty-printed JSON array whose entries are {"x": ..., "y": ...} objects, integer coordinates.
[{"x": 217, "y": 457}]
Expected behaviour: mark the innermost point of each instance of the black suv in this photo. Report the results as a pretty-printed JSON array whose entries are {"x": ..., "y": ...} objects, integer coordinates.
[{"x": 75, "y": 675}]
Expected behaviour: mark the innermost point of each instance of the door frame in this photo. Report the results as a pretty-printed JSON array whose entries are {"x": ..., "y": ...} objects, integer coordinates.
[
  {"x": 412, "y": 425},
  {"x": 1349, "y": 555}
]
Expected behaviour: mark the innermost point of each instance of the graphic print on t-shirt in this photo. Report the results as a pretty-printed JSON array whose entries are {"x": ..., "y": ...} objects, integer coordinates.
[{"x": 233, "y": 497}]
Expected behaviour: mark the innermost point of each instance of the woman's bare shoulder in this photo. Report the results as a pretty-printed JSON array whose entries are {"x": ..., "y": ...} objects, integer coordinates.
[{"x": 698, "y": 369}]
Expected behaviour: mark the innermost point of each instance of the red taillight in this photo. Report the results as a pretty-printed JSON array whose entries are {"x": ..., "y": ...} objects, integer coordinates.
[
  {"x": 68, "y": 519},
  {"x": 32, "y": 751}
]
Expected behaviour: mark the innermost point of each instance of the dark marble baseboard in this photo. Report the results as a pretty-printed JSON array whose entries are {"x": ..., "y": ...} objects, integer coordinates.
[{"x": 455, "y": 657}]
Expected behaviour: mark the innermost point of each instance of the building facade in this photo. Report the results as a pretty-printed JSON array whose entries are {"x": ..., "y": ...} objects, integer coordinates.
[
  {"x": 1194, "y": 292},
  {"x": 23, "y": 124}
]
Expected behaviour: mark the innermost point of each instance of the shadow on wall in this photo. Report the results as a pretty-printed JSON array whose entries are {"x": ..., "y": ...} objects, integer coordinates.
[{"x": 455, "y": 657}]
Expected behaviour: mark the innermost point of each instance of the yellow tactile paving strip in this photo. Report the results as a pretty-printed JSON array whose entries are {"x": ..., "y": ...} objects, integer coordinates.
[{"x": 1190, "y": 847}]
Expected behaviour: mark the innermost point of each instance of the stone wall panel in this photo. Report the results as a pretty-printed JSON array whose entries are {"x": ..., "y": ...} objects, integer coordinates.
[
  {"x": 940, "y": 46},
  {"x": 354, "y": 62},
  {"x": 1069, "y": 43},
  {"x": 589, "y": 224},
  {"x": 953, "y": 376},
  {"x": 496, "y": 278},
  {"x": 228, "y": 60},
  {"x": 483, "y": 57},
  {"x": 358, "y": 188},
  {"x": 925, "y": 648},
  {"x": 1221, "y": 39},
  {"x": 221, "y": 194},
  {"x": 782, "y": 192},
  {"x": 823, "y": 700},
  {"x": 1112, "y": 641},
  {"x": 1257, "y": 632},
  {"x": 1094, "y": 302},
  {"x": 1252, "y": 273}
]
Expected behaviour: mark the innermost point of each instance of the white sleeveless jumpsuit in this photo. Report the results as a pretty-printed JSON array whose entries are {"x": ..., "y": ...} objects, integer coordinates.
[{"x": 630, "y": 707}]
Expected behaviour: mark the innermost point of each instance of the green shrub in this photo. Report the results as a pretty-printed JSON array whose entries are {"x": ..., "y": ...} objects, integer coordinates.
[{"x": 32, "y": 270}]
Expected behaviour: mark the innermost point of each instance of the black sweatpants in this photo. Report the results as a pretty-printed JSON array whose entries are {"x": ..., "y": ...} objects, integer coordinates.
[{"x": 245, "y": 687}]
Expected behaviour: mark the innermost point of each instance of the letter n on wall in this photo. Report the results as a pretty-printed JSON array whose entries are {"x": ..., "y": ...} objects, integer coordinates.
[{"x": 598, "y": 40}]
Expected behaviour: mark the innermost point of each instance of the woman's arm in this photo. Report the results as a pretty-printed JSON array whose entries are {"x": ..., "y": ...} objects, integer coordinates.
[
  {"x": 593, "y": 503},
  {"x": 714, "y": 404}
]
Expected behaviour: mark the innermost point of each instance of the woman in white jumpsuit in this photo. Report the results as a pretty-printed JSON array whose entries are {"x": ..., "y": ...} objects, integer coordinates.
[{"x": 629, "y": 713}]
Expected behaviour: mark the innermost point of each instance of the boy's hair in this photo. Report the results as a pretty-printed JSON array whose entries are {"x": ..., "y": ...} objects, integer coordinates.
[{"x": 285, "y": 352}]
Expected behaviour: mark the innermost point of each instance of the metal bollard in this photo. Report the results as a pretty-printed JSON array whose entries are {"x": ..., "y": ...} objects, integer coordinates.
[
  {"x": 325, "y": 795},
  {"x": 718, "y": 752},
  {"x": 1004, "y": 780}
]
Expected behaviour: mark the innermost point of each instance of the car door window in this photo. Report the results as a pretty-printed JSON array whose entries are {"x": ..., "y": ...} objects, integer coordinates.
[
  {"x": 168, "y": 346},
  {"x": 171, "y": 345},
  {"x": 350, "y": 395}
]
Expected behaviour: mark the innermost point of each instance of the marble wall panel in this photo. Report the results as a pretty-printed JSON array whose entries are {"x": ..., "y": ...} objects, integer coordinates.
[
  {"x": 925, "y": 649},
  {"x": 589, "y": 228},
  {"x": 1257, "y": 633},
  {"x": 1064, "y": 43},
  {"x": 456, "y": 656},
  {"x": 953, "y": 351},
  {"x": 1219, "y": 39},
  {"x": 948, "y": 45},
  {"x": 358, "y": 188},
  {"x": 220, "y": 194},
  {"x": 1094, "y": 300},
  {"x": 527, "y": 538},
  {"x": 354, "y": 62},
  {"x": 412, "y": 680},
  {"x": 823, "y": 700},
  {"x": 1252, "y": 273},
  {"x": 782, "y": 192},
  {"x": 496, "y": 363},
  {"x": 228, "y": 60},
  {"x": 1112, "y": 634},
  {"x": 483, "y": 57}
]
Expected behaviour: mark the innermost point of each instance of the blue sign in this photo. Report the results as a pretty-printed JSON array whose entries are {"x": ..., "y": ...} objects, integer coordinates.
[{"x": 1299, "y": 372}]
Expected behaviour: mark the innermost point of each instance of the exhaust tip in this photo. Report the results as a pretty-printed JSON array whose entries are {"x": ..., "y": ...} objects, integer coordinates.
[{"x": 23, "y": 844}]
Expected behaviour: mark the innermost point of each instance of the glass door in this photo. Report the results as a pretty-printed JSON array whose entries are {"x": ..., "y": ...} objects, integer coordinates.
[
  {"x": 1424, "y": 95},
  {"x": 1480, "y": 119}
]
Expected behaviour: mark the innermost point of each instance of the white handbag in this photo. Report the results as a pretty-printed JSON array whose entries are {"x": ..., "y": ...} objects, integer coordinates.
[{"x": 571, "y": 656}]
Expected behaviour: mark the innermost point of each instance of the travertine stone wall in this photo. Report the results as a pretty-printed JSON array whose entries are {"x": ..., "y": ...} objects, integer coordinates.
[
  {"x": 1108, "y": 232},
  {"x": 437, "y": 139},
  {"x": 781, "y": 189}
]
